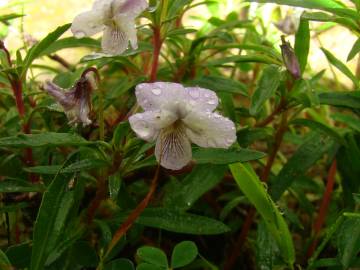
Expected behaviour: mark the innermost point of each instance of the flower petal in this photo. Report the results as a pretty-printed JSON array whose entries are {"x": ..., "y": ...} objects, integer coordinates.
[
  {"x": 127, "y": 25},
  {"x": 133, "y": 7},
  {"x": 173, "y": 148},
  {"x": 114, "y": 41},
  {"x": 208, "y": 129},
  {"x": 202, "y": 99},
  {"x": 88, "y": 23},
  {"x": 59, "y": 94},
  {"x": 152, "y": 96},
  {"x": 147, "y": 125}
]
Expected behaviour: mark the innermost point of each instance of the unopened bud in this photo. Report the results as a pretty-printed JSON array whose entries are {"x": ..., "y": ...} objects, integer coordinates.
[{"x": 290, "y": 60}]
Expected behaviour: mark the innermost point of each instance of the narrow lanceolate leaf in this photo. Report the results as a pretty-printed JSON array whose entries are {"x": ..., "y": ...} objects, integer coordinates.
[
  {"x": 251, "y": 186},
  {"x": 354, "y": 50},
  {"x": 175, "y": 221},
  {"x": 198, "y": 182},
  {"x": 220, "y": 84},
  {"x": 70, "y": 42},
  {"x": 348, "y": 241},
  {"x": 43, "y": 139},
  {"x": 316, "y": 4},
  {"x": 313, "y": 148},
  {"x": 223, "y": 156},
  {"x": 302, "y": 43},
  {"x": 82, "y": 165},
  {"x": 37, "y": 49},
  {"x": 340, "y": 66},
  {"x": 50, "y": 220},
  {"x": 4, "y": 261},
  {"x": 266, "y": 87},
  {"x": 341, "y": 99},
  {"x": 349, "y": 120},
  {"x": 17, "y": 185}
]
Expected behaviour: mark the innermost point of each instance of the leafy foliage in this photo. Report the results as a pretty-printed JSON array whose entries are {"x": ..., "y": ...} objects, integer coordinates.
[{"x": 285, "y": 195}]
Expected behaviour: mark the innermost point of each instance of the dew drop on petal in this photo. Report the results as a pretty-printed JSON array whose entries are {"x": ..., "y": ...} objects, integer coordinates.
[
  {"x": 212, "y": 102},
  {"x": 142, "y": 128},
  {"x": 194, "y": 93},
  {"x": 156, "y": 91},
  {"x": 79, "y": 34},
  {"x": 206, "y": 95}
]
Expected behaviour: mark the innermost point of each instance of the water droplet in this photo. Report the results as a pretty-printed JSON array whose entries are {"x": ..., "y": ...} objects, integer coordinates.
[
  {"x": 194, "y": 93},
  {"x": 142, "y": 128},
  {"x": 206, "y": 95},
  {"x": 188, "y": 203},
  {"x": 156, "y": 91},
  {"x": 232, "y": 128},
  {"x": 79, "y": 34},
  {"x": 212, "y": 102},
  {"x": 265, "y": 185}
]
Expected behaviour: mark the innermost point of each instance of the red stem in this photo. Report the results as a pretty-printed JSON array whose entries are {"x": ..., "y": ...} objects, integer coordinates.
[
  {"x": 17, "y": 90},
  {"x": 157, "y": 43},
  {"x": 126, "y": 225},
  {"x": 323, "y": 207}
]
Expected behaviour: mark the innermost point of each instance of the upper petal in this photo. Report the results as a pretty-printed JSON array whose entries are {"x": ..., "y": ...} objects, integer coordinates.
[
  {"x": 173, "y": 148},
  {"x": 88, "y": 23},
  {"x": 114, "y": 40},
  {"x": 202, "y": 99},
  {"x": 170, "y": 96},
  {"x": 147, "y": 125},
  {"x": 208, "y": 129},
  {"x": 131, "y": 8}
]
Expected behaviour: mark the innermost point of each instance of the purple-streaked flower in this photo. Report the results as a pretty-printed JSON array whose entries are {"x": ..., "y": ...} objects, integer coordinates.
[
  {"x": 116, "y": 18},
  {"x": 175, "y": 117},
  {"x": 75, "y": 101}
]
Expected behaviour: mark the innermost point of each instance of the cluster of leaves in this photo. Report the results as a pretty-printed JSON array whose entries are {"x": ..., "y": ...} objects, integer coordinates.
[{"x": 66, "y": 191}]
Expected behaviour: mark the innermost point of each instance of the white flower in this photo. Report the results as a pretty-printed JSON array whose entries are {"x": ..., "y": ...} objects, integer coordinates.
[
  {"x": 116, "y": 18},
  {"x": 175, "y": 116},
  {"x": 76, "y": 100}
]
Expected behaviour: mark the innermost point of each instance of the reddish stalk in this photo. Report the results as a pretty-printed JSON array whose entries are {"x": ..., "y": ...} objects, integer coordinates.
[
  {"x": 127, "y": 224},
  {"x": 319, "y": 222},
  {"x": 231, "y": 260},
  {"x": 157, "y": 43}
]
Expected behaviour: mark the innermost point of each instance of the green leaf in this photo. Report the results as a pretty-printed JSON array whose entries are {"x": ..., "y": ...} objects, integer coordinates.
[
  {"x": 43, "y": 139},
  {"x": 253, "y": 189},
  {"x": 264, "y": 247},
  {"x": 354, "y": 50},
  {"x": 341, "y": 99},
  {"x": 247, "y": 136},
  {"x": 340, "y": 66},
  {"x": 220, "y": 84},
  {"x": 82, "y": 165},
  {"x": 302, "y": 43},
  {"x": 4, "y": 261},
  {"x": 265, "y": 89},
  {"x": 17, "y": 185},
  {"x": 153, "y": 256},
  {"x": 20, "y": 255},
  {"x": 37, "y": 49},
  {"x": 310, "y": 151},
  {"x": 224, "y": 156},
  {"x": 242, "y": 59},
  {"x": 202, "y": 179},
  {"x": 114, "y": 186},
  {"x": 70, "y": 42},
  {"x": 148, "y": 266},
  {"x": 123, "y": 264},
  {"x": 316, "y": 4},
  {"x": 177, "y": 221},
  {"x": 51, "y": 218},
  {"x": 11, "y": 16},
  {"x": 320, "y": 127},
  {"x": 348, "y": 241},
  {"x": 349, "y": 120},
  {"x": 183, "y": 254}
]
